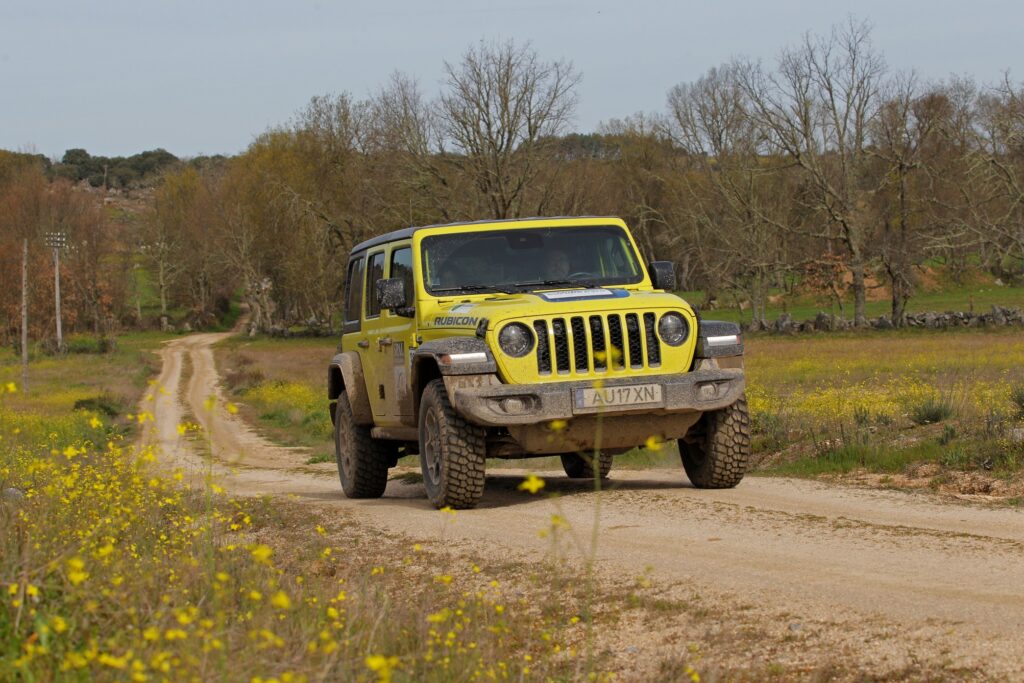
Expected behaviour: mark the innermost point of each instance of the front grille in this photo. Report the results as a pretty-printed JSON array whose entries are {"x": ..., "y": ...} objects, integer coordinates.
[{"x": 596, "y": 343}]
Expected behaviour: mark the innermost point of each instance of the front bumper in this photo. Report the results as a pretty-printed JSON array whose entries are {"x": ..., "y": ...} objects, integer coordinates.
[{"x": 504, "y": 405}]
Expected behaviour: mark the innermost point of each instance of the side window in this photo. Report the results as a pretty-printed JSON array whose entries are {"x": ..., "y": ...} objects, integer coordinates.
[
  {"x": 374, "y": 272},
  {"x": 401, "y": 266},
  {"x": 354, "y": 289}
]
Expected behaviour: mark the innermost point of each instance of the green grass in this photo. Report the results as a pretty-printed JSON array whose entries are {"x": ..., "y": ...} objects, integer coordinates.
[
  {"x": 977, "y": 297},
  {"x": 870, "y": 457}
]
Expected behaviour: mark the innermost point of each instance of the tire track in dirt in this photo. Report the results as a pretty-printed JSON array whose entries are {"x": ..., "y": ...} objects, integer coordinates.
[{"x": 825, "y": 552}]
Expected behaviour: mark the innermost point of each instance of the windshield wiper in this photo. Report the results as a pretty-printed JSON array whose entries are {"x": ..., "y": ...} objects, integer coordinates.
[
  {"x": 472, "y": 288},
  {"x": 554, "y": 283}
]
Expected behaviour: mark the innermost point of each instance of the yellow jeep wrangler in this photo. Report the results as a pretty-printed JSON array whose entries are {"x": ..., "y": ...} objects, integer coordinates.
[{"x": 523, "y": 338}]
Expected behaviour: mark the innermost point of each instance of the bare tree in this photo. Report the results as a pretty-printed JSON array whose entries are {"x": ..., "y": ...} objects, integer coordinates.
[
  {"x": 901, "y": 135},
  {"x": 997, "y": 177},
  {"x": 818, "y": 108},
  {"x": 500, "y": 105},
  {"x": 734, "y": 194}
]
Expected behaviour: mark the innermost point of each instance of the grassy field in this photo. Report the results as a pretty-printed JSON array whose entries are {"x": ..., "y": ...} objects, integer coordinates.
[
  {"x": 110, "y": 569},
  {"x": 879, "y": 402},
  {"x": 979, "y": 296}
]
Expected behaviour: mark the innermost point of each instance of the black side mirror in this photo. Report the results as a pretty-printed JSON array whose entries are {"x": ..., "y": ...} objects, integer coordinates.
[
  {"x": 391, "y": 293},
  {"x": 663, "y": 275}
]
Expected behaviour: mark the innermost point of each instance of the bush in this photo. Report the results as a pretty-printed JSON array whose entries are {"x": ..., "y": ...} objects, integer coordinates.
[
  {"x": 932, "y": 410},
  {"x": 1017, "y": 398},
  {"x": 105, "y": 404}
]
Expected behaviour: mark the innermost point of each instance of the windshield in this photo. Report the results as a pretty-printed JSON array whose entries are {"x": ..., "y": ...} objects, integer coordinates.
[{"x": 517, "y": 260}]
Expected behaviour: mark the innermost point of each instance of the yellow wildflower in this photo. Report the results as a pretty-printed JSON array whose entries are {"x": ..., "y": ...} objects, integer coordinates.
[
  {"x": 281, "y": 600},
  {"x": 532, "y": 483},
  {"x": 382, "y": 666},
  {"x": 261, "y": 553},
  {"x": 76, "y": 573}
]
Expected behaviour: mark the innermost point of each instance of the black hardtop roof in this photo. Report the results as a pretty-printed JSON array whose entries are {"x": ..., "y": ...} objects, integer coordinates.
[{"x": 396, "y": 235}]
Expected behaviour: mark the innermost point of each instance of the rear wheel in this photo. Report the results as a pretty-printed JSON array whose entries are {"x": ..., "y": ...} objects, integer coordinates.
[
  {"x": 716, "y": 450},
  {"x": 363, "y": 461},
  {"x": 579, "y": 466},
  {"x": 452, "y": 452}
]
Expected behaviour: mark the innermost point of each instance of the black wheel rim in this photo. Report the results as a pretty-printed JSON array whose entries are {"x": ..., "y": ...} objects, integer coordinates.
[
  {"x": 345, "y": 455},
  {"x": 432, "y": 449}
]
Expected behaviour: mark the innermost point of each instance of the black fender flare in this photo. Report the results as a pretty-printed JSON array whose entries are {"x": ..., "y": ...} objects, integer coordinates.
[
  {"x": 345, "y": 373},
  {"x": 450, "y": 356}
]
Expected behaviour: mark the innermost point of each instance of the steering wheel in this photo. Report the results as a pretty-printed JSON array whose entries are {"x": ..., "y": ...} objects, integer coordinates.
[{"x": 579, "y": 274}]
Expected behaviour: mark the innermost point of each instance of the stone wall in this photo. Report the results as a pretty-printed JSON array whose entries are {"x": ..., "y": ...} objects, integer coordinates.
[{"x": 824, "y": 322}]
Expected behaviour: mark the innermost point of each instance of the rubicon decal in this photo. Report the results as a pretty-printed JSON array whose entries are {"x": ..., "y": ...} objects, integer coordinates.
[{"x": 455, "y": 321}]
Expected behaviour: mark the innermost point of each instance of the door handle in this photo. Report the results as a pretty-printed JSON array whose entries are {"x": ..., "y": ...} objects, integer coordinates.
[
  {"x": 363, "y": 344},
  {"x": 384, "y": 341}
]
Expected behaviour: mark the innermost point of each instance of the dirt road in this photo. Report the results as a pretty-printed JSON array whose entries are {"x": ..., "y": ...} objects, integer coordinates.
[{"x": 889, "y": 577}]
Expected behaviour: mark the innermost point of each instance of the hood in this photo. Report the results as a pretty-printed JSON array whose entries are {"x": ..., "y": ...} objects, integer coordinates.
[{"x": 498, "y": 308}]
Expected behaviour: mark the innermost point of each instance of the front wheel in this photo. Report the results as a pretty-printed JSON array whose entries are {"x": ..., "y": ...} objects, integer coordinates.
[
  {"x": 579, "y": 466},
  {"x": 716, "y": 450},
  {"x": 452, "y": 452},
  {"x": 363, "y": 461}
]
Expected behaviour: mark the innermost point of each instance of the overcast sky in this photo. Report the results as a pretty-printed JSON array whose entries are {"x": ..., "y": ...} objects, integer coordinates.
[{"x": 118, "y": 77}]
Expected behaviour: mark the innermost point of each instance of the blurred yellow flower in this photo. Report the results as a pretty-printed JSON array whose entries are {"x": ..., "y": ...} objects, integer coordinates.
[
  {"x": 532, "y": 483},
  {"x": 382, "y": 666},
  {"x": 654, "y": 443},
  {"x": 281, "y": 600},
  {"x": 557, "y": 425},
  {"x": 261, "y": 553}
]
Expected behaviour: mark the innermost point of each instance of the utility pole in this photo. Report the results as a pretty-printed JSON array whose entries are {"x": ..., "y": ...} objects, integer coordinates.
[
  {"x": 24, "y": 317},
  {"x": 57, "y": 240}
]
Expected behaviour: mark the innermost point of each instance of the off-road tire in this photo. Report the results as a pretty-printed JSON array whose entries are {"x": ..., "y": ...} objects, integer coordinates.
[
  {"x": 452, "y": 452},
  {"x": 363, "y": 461},
  {"x": 578, "y": 466},
  {"x": 716, "y": 450}
]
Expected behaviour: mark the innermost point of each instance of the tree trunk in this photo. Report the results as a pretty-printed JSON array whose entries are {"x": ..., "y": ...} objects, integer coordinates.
[
  {"x": 859, "y": 289},
  {"x": 900, "y": 297},
  {"x": 24, "y": 317},
  {"x": 162, "y": 282}
]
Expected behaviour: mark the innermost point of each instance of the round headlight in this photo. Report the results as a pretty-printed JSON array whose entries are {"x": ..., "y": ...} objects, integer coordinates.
[
  {"x": 516, "y": 340},
  {"x": 673, "y": 329}
]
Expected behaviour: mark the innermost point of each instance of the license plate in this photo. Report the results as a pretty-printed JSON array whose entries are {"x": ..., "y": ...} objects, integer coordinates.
[{"x": 607, "y": 397}]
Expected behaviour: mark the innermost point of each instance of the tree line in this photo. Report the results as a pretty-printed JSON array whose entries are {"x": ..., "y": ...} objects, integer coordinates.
[{"x": 823, "y": 169}]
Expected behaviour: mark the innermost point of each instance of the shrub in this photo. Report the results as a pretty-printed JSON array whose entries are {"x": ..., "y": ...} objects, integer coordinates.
[
  {"x": 105, "y": 403},
  {"x": 1017, "y": 398},
  {"x": 932, "y": 410}
]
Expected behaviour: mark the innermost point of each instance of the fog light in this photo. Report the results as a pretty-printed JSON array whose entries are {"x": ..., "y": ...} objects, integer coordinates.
[
  {"x": 708, "y": 391},
  {"x": 513, "y": 405}
]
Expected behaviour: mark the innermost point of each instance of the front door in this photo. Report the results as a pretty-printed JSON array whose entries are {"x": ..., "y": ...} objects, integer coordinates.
[{"x": 376, "y": 363}]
